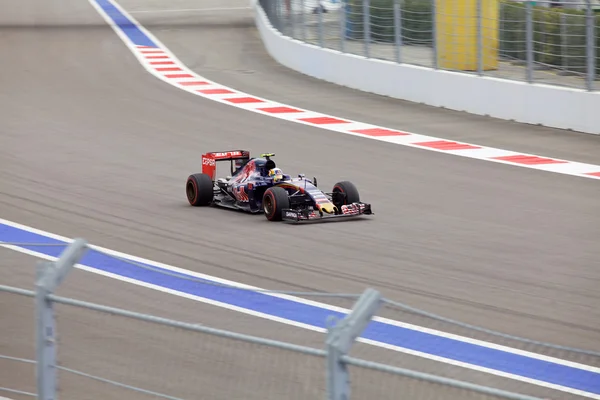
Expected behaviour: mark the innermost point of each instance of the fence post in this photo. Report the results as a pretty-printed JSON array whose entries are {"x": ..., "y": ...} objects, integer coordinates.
[
  {"x": 49, "y": 276},
  {"x": 501, "y": 52},
  {"x": 303, "y": 20},
  {"x": 529, "y": 41},
  {"x": 290, "y": 6},
  {"x": 434, "y": 39},
  {"x": 367, "y": 26},
  {"x": 45, "y": 344},
  {"x": 479, "y": 39},
  {"x": 398, "y": 30},
  {"x": 320, "y": 22},
  {"x": 590, "y": 48},
  {"x": 563, "y": 43},
  {"x": 276, "y": 21},
  {"x": 340, "y": 338},
  {"x": 343, "y": 23}
]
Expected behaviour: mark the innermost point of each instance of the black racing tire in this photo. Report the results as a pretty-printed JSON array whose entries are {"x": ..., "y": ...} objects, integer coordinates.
[
  {"x": 344, "y": 193},
  {"x": 199, "y": 190},
  {"x": 274, "y": 201}
]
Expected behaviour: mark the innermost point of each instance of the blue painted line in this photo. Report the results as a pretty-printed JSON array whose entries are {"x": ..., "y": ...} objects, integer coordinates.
[
  {"x": 481, "y": 356},
  {"x": 130, "y": 29}
]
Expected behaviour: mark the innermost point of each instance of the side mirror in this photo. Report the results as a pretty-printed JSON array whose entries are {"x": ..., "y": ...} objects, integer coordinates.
[{"x": 314, "y": 181}]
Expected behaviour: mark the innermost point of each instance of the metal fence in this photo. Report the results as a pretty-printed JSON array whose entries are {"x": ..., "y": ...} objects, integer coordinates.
[
  {"x": 76, "y": 349},
  {"x": 544, "y": 41}
]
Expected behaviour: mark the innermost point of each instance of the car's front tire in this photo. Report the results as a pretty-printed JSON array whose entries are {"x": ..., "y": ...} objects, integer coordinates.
[
  {"x": 199, "y": 190},
  {"x": 344, "y": 193},
  {"x": 274, "y": 201}
]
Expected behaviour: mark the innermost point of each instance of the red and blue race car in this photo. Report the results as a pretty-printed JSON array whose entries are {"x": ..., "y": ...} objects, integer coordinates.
[{"x": 257, "y": 185}]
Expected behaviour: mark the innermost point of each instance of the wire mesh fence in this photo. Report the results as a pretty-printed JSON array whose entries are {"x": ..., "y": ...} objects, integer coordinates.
[
  {"x": 418, "y": 319},
  {"x": 170, "y": 361},
  {"x": 538, "y": 42},
  {"x": 427, "y": 337},
  {"x": 383, "y": 382},
  {"x": 17, "y": 353},
  {"x": 108, "y": 352},
  {"x": 111, "y": 353}
]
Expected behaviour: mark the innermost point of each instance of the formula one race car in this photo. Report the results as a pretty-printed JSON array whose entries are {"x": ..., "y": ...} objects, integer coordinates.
[{"x": 256, "y": 185}]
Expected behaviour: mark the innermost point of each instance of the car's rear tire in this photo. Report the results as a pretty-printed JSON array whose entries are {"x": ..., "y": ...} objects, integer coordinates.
[
  {"x": 199, "y": 190},
  {"x": 344, "y": 193},
  {"x": 274, "y": 201}
]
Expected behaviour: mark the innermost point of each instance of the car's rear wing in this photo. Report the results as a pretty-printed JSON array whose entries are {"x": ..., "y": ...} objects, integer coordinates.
[{"x": 209, "y": 160}]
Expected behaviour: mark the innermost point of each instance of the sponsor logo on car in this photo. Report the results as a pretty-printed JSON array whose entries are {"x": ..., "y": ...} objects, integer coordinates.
[
  {"x": 291, "y": 214},
  {"x": 352, "y": 209},
  {"x": 227, "y": 154},
  {"x": 208, "y": 161}
]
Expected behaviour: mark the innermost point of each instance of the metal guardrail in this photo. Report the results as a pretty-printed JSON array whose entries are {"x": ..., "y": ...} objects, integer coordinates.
[
  {"x": 550, "y": 42},
  {"x": 99, "y": 336}
]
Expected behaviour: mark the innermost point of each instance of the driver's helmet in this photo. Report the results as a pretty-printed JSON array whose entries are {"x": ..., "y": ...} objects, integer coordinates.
[{"x": 276, "y": 174}]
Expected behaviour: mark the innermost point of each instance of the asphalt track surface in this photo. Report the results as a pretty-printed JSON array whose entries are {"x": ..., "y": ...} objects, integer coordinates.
[{"x": 93, "y": 146}]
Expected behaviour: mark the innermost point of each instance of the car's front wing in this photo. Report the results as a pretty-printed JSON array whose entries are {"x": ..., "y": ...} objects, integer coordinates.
[{"x": 348, "y": 211}]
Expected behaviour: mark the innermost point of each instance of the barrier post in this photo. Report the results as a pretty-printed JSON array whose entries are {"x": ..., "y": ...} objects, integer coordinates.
[
  {"x": 340, "y": 338},
  {"x": 303, "y": 20},
  {"x": 320, "y": 16},
  {"x": 590, "y": 46},
  {"x": 49, "y": 275},
  {"x": 479, "y": 38},
  {"x": 343, "y": 11},
  {"x": 398, "y": 30},
  {"x": 292, "y": 20},
  {"x": 367, "y": 26},
  {"x": 529, "y": 41},
  {"x": 563, "y": 43},
  {"x": 434, "y": 34}
]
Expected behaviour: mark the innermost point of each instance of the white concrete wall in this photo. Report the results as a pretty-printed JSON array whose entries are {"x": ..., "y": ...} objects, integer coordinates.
[{"x": 546, "y": 105}]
